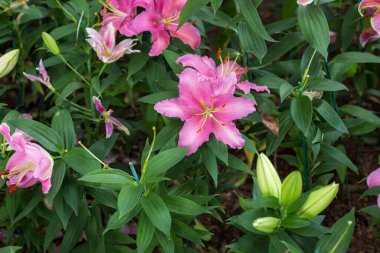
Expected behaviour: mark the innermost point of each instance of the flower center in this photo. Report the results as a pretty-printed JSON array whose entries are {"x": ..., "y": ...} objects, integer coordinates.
[
  {"x": 173, "y": 17},
  {"x": 208, "y": 113},
  {"x": 20, "y": 171}
]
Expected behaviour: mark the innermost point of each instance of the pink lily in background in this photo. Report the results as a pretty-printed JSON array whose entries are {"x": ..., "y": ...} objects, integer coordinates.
[
  {"x": 227, "y": 74},
  {"x": 103, "y": 43},
  {"x": 28, "y": 165},
  {"x": 44, "y": 78},
  {"x": 368, "y": 35},
  {"x": 304, "y": 2},
  {"x": 161, "y": 18},
  {"x": 371, "y": 9},
  {"x": 374, "y": 180},
  {"x": 205, "y": 110},
  {"x": 108, "y": 119},
  {"x": 121, "y": 13}
]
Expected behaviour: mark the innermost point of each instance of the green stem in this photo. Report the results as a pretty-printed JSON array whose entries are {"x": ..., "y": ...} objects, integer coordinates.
[
  {"x": 105, "y": 166},
  {"x": 67, "y": 12},
  {"x": 305, "y": 76},
  {"x": 147, "y": 158},
  {"x": 74, "y": 70},
  {"x": 103, "y": 68}
]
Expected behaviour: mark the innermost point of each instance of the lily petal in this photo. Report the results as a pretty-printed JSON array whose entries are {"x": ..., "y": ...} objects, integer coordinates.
[
  {"x": 188, "y": 34},
  {"x": 203, "y": 64},
  {"x": 175, "y": 107},
  {"x": 231, "y": 108},
  {"x": 374, "y": 178},
  {"x": 228, "y": 134}
]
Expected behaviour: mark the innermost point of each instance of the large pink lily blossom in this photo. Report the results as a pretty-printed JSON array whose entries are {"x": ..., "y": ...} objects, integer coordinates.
[
  {"x": 104, "y": 44},
  {"x": 304, "y": 2},
  {"x": 109, "y": 121},
  {"x": 371, "y": 9},
  {"x": 161, "y": 18},
  {"x": 228, "y": 72},
  {"x": 121, "y": 13},
  {"x": 206, "y": 107},
  {"x": 44, "y": 78},
  {"x": 368, "y": 35},
  {"x": 28, "y": 165},
  {"x": 374, "y": 180}
]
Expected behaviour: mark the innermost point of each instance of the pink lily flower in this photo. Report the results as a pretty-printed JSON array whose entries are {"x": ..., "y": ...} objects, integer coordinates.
[
  {"x": 108, "y": 119},
  {"x": 103, "y": 43},
  {"x": 206, "y": 108},
  {"x": 44, "y": 78},
  {"x": 121, "y": 13},
  {"x": 28, "y": 165},
  {"x": 227, "y": 70},
  {"x": 370, "y": 8},
  {"x": 374, "y": 180},
  {"x": 161, "y": 19},
  {"x": 304, "y": 2},
  {"x": 368, "y": 35}
]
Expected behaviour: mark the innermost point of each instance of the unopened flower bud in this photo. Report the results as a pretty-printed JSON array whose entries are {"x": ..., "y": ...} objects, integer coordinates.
[
  {"x": 267, "y": 177},
  {"x": 8, "y": 62},
  {"x": 266, "y": 224},
  {"x": 291, "y": 188},
  {"x": 317, "y": 201},
  {"x": 50, "y": 43}
]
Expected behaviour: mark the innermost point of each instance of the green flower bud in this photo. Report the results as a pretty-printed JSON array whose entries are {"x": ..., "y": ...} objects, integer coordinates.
[
  {"x": 50, "y": 43},
  {"x": 8, "y": 62},
  {"x": 317, "y": 201},
  {"x": 291, "y": 188},
  {"x": 266, "y": 224},
  {"x": 267, "y": 177}
]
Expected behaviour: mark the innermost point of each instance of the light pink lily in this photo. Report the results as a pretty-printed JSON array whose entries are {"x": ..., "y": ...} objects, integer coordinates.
[
  {"x": 227, "y": 72},
  {"x": 161, "y": 18},
  {"x": 44, "y": 78},
  {"x": 206, "y": 108},
  {"x": 304, "y": 2},
  {"x": 28, "y": 165},
  {"x": 374, "y": 180},
  {"x": 121, "y": 13},
  {"x": 108, "y": 119},
  {"x": 103, "y": 43},
  {"x": 368, "y": 35},
  {"x": 371, "y": 9}
]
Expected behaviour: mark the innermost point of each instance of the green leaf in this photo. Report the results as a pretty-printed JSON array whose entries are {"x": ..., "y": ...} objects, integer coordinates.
[
  {"x": 328, "y": 113},
  {"x": 82, "y": 162},
  {"x": 59, "y": 171},
  {"x": 136, "y": 63},
  {"x": 129, "y": 197},
  {"x": 314, "y": 27},
  {"x": 341, "y": 234},
  {"x": 184, "y": 206},
  {"x": 237, "y": 164},
  {"x": 102, "y": 147},
  {"x": 115, "y": 222},
  {"x": 53, "y": 229},
  {"x": 145, "y": 233},
  {"x": 72, "y": 195},
  {"x": 219, "y": 149},
  {"x": 251, "y": 41},
  {"x": 10, "y": 249},
  {"x": 28, "y": 208},
  {"x": 249, "y": 11},
  {"x": 295, "y": 222},
  {"x": 356, "y": 57},
  {"x": 291, "y": 248},
  {"x": 158, "y": 96},
  {"x": 171, "y": 59},
  {"x": 166, "y": 242},
  {"x": 330, "y": 153},
  {"x": 373, "y": 210},
  {"x": 325, "y": 85},
  {"x": 162, "y": 162},
  {"x": 189, "y": 9},
  {"x": 209, "y": 160},
  {"x": 349, "y": 26},
  {"x": 180, "y": 228},
  {"x": 108, "y": 176},
  {"x": 157, "y": 212},
  {"x": 216, "y": 4},
  {"x": 46, "y": 136},
  {"x": 302, "y": 113},
  {"x": 286, "y": 124},
  {"x": 373, "y": 191},
  {"x": 361, "y": 113},
  {"x": 63, "y": 124},
  {"x": 285, "y": 44}
]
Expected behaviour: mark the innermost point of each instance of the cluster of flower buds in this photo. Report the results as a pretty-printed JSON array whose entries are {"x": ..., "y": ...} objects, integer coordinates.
[{"x": 287, "y": 193}]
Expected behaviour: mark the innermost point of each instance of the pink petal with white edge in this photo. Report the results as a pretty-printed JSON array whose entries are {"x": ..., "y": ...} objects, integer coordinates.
[
  {"x": 373, "y": 179},
  {"x": 231, "y": 108},
  {"x": 33, "y": 78},
  {"x": 188, "y": 34},
  {"x": 375, "y": 22},
  {"x": 119, "y": 125},
  {"x": 228, "y": 134},
  {"x": 161, "y": 41},
  {"x": 46, "y": 186},
  {"x": 194, "y": 90},
  {"x": 175, "y": 107},
  {"x": 98, "y": 105},
  {"x": 247, "y": 86},
  {"x": 43, "y": 72},
  {"x": 364, "y": 4},
  {"x": 194, "y": 133},
  {"x": 368, "y": 35},
  {"x": 203, "y": 64},
  {"x": 304, "y": 2},
  {"x": 225, "y": 85},
  {"x": 5, "y": 131},
  {"x": 109, "y": 36},
  {"x": 44, "y": 168},
  {"x": 109, "y": 129}
]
